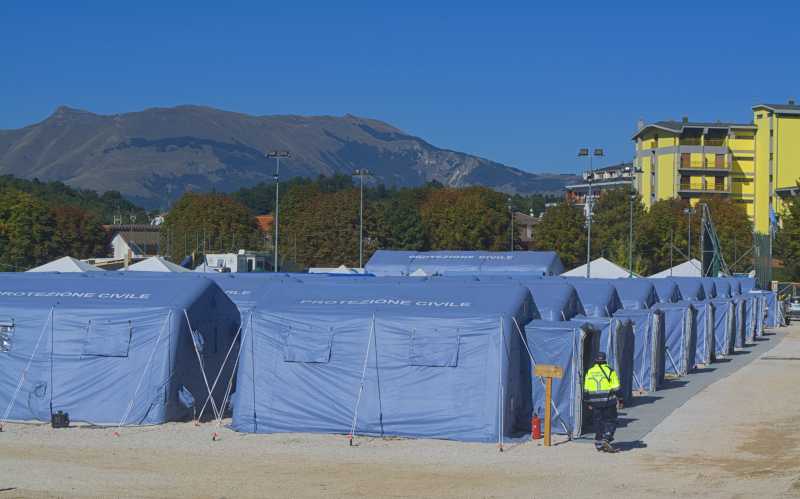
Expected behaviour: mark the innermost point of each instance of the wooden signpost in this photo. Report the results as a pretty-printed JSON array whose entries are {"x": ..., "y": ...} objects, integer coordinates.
[{"x": 548, "y": 372}]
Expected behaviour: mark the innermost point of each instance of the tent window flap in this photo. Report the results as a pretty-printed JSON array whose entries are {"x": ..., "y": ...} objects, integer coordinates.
[
  {"x": 108, "y": 339},
  {"x": 6, "y": 334},
  {"x": 307, "y": 346},
  {"x": 433, "y": 351}
]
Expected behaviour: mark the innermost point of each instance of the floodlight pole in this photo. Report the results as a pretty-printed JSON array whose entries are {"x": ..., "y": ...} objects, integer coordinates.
[
  {"x": 277, "y": 155},
  {"x": 589, "y": 179},
  {"x": 632, "y": 171},
  {"x": 689, "y": 211}
]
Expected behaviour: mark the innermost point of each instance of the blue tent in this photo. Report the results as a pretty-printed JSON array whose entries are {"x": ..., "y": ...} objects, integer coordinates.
[
  {"x": 774, "y": 311},
  {"x": 110, "y": 350},
  {"x": 569, "y": 344},
  {"x": 403, "y": 263},
  {"x": 600, "y": 300},
  {"x": 724, "y": 318},
  {"x": 408, "y": 358},
  {"x": 693, "y": 291},
  {"x": 758, "y": 317},
  {"x": 680, "y": 334},
  {"x": 638, "y": 297}
]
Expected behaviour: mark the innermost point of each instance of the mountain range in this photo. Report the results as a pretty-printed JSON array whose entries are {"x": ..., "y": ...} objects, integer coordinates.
[{"x": 155, "y": 155}]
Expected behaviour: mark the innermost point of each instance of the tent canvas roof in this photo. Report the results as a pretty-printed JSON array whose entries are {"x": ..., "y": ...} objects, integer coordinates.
[
  {"x": 689, "y": 268},
  {"x": 65, "y": 264},
  {"x": 599, "y": 297},
  {"x": 396, "y": 263},
  {"x": 601, "y": 268},
  {"x": 156, "y": 264}
]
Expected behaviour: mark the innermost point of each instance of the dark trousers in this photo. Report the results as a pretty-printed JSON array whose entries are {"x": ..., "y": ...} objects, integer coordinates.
[{"x": 604, "y": 417}]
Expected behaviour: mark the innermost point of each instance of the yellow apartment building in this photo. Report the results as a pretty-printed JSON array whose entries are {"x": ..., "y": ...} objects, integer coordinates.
[{"x": 756, "y": 164}]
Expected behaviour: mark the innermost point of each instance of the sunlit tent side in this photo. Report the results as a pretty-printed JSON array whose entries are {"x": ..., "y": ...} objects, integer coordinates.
[
  {"x": 724, "y": 318},
  {"x": 600, "y": 268},
  {"x": 742, "y": 307},
  {"x": 694, "y": 293},
  {"x": 404, "y": 358},
  {"x": 690, "y": 268},
  {"x": 157, "y": 264},
  {"x": 65, "y": 264},
  {"x": 638, "y": 297},
  {"x": 404, "y": 263},
  {"x": 680, "y": 335},
  {"x": 568, "y": 344},
  {"x": 600, "y": 300},
  {"x": 109, "y": 350}
]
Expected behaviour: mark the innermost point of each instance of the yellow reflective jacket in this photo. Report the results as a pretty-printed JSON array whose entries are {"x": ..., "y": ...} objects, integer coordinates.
[{"x": 600, "y": 383}]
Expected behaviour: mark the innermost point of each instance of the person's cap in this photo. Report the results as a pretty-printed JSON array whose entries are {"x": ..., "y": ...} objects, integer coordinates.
[{"x": 600, "y": 357}]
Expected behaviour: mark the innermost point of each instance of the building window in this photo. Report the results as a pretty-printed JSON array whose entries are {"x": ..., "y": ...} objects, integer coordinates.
[
  {"x": 686, "y": 159},
  {"x": 719, "y": 183},
  {"x": 719, "y": 161},
  {"x": 6, "y": 333},
  {"x": 770, "y": 156}
]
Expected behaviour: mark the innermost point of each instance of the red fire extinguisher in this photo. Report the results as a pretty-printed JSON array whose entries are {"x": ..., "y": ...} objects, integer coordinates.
[{"x": 536, "y": 427}]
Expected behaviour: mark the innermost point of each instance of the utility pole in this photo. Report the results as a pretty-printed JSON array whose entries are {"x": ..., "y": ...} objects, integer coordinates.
[
  {"x": 511, "y": 210},
  {"x": 360, "y": 173},
  {"x": 630, "y": 238},
  {"x": 277, "y": 155},
  {"x": 584, "y": 151},
  {"x": 689, "y": 211}
]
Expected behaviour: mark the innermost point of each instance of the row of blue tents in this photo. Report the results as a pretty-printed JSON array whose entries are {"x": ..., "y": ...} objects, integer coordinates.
[{"x": 441, "y": 357}]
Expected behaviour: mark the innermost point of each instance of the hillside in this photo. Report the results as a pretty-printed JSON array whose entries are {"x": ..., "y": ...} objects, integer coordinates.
[{"x": 154, "y": 155}]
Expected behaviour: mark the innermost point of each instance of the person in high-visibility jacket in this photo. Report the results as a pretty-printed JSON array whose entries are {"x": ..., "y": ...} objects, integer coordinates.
[{"x": 600, "y": 387}]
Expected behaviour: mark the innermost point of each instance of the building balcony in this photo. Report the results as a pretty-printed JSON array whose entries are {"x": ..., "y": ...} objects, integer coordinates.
[
  {"x": 700, "y": 167},
  {"x": 714, "y": 142},
  {"x": 689, "y": 141},
  {"x": 687, "y": 190}
]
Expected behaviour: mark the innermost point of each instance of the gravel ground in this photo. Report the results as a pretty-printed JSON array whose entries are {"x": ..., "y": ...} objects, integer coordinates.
[{"x": 739, "y": 437}]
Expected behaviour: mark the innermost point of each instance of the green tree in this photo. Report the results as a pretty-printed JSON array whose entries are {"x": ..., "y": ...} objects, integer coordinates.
[
  {"x": 663, "y": 235},
  {"x": 26, "y": 231},
  {"x": 321, "y": 229},
  {"x": 473, "y": 218},
  {"x": 611, "y": 224},
  {"x": 787, "y": 242},
  {"x": 395, "y": 222},
  {"x": 78, "y": 233},
  {"x": 562, "y": 229},
  {"x": 735, "y": 232},
  {"x": 204, "y": 223}
]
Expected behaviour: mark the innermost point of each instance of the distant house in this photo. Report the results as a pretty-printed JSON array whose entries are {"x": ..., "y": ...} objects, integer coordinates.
[
  {"x": 134, "y": 242},
  {"x": 523, "y": 226}
]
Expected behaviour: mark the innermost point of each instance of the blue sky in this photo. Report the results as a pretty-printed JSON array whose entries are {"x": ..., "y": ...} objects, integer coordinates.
[{"x": 513, "y": 82}]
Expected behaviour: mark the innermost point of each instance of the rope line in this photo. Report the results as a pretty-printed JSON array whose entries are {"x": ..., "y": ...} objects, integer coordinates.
[
  {"x": 27, "y": 367},
  {"x": 361, "y": 385},
  {"x": 200, "y": 362},
  {"x": 144, "y": 371}
]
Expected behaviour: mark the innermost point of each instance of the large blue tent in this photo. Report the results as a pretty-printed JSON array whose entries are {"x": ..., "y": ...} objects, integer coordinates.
[
  {"x": 409, "y": 358},
  {"x": 693, "y": 292},
  {"x": 404, "y": 263},
  {"x": 110, "y": 350},
  {"x": 724, "y": 318},
  {"x": 680, "y": 334}
]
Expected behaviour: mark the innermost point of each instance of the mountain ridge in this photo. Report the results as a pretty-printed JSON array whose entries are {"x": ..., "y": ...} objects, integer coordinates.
[{"x": 153, "y": 155}]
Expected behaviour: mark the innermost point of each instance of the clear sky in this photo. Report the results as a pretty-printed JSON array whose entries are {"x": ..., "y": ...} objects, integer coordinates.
[{"x": 513, "y": 82}]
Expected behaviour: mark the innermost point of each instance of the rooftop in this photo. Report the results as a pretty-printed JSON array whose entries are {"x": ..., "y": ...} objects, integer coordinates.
[
  {"x": 679, "y": 126},
  {"x": 790, "y": 108}
]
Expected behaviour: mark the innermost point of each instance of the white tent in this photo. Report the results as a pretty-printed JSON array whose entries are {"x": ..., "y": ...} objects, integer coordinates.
[
  {"x": 600, "y": 268},
  {"x": 341, "y": 269},
  {"x": 65, "y": 264},
  {"x": 690, "y": 268},
  {"x": 156, "y": 264}
]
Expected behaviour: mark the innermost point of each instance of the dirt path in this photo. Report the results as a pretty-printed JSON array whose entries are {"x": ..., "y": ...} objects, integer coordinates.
[{"x": 740, "y": 437}]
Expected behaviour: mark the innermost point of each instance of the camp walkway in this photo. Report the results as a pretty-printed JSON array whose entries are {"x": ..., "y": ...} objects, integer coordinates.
[{"x": 649, "y": 410}]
